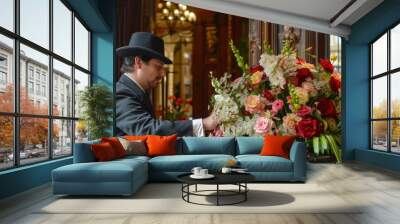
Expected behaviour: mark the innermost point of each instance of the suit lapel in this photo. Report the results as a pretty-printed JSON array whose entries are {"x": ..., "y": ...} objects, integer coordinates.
[{"x": 145, "y": 97}]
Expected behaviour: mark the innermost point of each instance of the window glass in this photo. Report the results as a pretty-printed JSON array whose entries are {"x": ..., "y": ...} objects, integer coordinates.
[
  {"x": 395, "y": 136},
  {"x": 34, "y": 21},
  {"x": 39, "y": 62},
  {"x": 379, "y": 135},
  {"x": 7, "y": 14},
  {"x": 81, "y": 131},
  {"x": 62, "y": 29},
  {"x": 6, "y": 142},
  {"x": 62, "y": 138},
  {"x": 395, "y": 47},
  {"x": 379, "y": 56},
  {"x": 81, "y": 81},
  {"x": 33, "y": 140},
  {"x": 6, "y": 74},
  {"x": 62, "y": 91},
  {"x": 379, "y": 98},
  {"x": 395, "y": 94},
  {"x": 81, "y": 45}
]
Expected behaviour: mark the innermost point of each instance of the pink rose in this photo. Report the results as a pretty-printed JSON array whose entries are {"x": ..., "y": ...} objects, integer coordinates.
[
  {"x": 277, "y": 105},
  {"x": 304, "y": 111},
  {"x": 263, "y": 125}
]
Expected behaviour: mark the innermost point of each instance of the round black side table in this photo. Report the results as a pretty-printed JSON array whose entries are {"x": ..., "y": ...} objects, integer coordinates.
[{"x": 238, "y": 179}]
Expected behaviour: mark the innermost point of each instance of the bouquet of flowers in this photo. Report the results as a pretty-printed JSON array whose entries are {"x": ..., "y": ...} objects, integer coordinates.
[{"x": 282, "y": 95}]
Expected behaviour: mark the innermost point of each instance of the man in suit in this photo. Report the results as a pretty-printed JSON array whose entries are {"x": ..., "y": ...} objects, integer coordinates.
[{"x": 143, "y": 70}]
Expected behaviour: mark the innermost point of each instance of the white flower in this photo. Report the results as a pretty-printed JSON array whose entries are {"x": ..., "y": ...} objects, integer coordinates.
[
  {"x": 268, "y": 62},
  {"x": 225, "y": 108},
  {"x": 277, "y": 79}
]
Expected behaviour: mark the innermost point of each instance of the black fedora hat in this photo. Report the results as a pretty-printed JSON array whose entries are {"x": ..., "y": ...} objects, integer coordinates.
[{"x": 146, "y": 44}]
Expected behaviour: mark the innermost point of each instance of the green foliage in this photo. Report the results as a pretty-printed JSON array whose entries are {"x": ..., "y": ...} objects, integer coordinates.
[
  {"x": 97, "y": 102},
  {"x": 239, "y": 58},
  {"x": 267, "y": 48}
]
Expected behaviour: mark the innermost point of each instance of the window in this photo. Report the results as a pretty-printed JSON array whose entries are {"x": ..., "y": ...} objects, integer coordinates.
[
  {"x": 54, "y": 125},
  {"x": 3, "y": 72},
  {"x": 30, "y": 87},
  {"x": 43, "y": 90},
  {"x": 37, "y": 75},
  {"x": 38, "y": 89},
  {"x": 30, "y": 72},
  {"x": 3, "y": 78},
  {"x": 7, "y": 14},
  {"x": 335, "y": 45},
  {"x": 3, "y": 61},
  {"x": 385, "y": 95}
]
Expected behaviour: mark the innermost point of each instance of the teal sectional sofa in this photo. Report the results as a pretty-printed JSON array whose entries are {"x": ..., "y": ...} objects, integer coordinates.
[{"x": 125, "y": 176}]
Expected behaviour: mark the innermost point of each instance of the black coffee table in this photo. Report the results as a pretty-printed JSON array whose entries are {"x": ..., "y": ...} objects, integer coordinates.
[{"x": 238, "y": 179}]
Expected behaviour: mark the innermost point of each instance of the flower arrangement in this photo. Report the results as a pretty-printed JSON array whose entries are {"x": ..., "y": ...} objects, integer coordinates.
[
  {"x": 177, "y": 108},
  {"x": 283, "y": 95}
]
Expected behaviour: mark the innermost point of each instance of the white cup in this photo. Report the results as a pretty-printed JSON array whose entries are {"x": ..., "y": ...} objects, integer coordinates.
[
  {"x": 226, "y": 170},
  {"x": 203, "y": 172},
  {"x": 196, "y": 170}
]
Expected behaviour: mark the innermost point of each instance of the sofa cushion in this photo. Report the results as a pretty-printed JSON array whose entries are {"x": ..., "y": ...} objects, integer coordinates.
[
  {"x": 103, "y": 152},
  {"x": 161, "y": 145},
  {"x": 249, "y": 145},
  {"x": 112, "y": 171},
  {"x": 185, "y": 163},
  {"x": 116, "y": 145},
  {"x": 277, "y": 145},
  {"x": 257, "y": 163},
  {"x": 208, "y": 145},
  {"x": 134, "y": 147}
]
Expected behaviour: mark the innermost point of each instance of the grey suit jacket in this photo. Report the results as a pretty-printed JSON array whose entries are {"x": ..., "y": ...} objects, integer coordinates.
[{"x": 135, "y": 113}]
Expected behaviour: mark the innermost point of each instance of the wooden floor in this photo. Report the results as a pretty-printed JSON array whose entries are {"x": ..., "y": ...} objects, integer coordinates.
[{"x": 354, "y": 182}]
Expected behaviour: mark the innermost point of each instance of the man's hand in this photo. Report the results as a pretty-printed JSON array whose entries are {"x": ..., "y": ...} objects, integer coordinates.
[{"x": 210, "y": 122}]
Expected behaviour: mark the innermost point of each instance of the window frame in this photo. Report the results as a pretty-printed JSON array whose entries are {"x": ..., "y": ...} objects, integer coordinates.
[
  {"x": 388, "y": 74},
  {"x": 16, "y": 114}
]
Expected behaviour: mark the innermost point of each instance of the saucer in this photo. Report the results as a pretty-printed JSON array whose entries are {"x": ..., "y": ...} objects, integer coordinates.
[{"x": 208, "y": 176}]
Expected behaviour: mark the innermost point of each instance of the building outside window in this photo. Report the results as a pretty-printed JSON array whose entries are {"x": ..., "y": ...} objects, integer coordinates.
[
  {"x": 385, "y": 95},
  {"x": 30, "y": 87},
  {"x": 34, "y": 67},
  {"x": 30, "y": 72}
]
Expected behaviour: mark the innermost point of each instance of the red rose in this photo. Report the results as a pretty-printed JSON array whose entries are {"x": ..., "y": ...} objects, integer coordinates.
[
  {"x": 179, "y": 101},
  {"x": 304, "y": 111},
  {"x": 326, "y": 107},
  {"x": 302, "y": 75},
  {"x": 256, "y": 68},
  {"x": 268, "y": 95},
  {"x": 335, "y": 83},
  {"x": 326, "y": 64},
  {"x": 293, "y": 80},
  {"x": 189, "y": 101},
  {"x": 308, "y": 128}
]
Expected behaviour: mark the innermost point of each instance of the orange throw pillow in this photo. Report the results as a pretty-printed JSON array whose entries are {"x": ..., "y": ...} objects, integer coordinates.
[
  {"x": 103, "y": 151},
  {"x": 116, "y": 145},
  {"x": 161, "y": 145},
  {"x": 277, "y": 145},
  {"x": 135, "y": 138}
]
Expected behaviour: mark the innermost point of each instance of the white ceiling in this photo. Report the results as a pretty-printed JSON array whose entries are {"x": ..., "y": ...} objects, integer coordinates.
[{"x": 317, "y": 15}]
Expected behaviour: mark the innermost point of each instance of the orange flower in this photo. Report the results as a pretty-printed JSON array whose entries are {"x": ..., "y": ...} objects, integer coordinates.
[{"x": 256, "y": 78}]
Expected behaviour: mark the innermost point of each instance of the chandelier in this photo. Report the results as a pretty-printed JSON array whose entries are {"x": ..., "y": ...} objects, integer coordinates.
[{"x": 176, "y": 16}]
